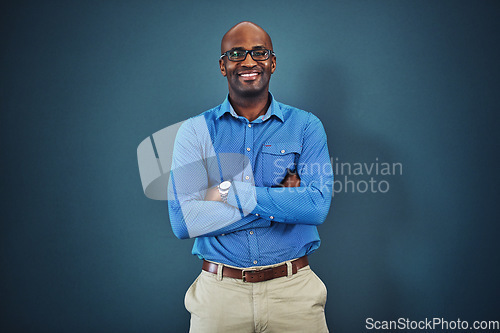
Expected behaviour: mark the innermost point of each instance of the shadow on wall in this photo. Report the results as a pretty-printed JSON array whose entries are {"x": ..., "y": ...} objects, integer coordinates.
[{"x": 354, "y": 259}]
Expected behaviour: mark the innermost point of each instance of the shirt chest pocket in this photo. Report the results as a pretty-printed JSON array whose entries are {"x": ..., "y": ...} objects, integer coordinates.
[{"x": 277, "y": 158}]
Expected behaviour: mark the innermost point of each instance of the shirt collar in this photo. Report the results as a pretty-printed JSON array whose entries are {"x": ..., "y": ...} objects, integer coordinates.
[{"x": 273, "y": 110}]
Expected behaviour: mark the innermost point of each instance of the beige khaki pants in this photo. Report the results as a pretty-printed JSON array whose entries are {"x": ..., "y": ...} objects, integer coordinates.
[{"x": 287, "y": 304}]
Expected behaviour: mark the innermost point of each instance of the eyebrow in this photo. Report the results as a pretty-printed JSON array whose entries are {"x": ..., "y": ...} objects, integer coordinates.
[{"x": 257, "y": 47}]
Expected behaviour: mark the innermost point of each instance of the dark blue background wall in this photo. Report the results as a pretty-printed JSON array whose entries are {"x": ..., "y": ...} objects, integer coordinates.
[{"x": 83, "y": 83}]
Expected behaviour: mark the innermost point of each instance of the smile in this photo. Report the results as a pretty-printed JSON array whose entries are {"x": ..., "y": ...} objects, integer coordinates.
[{"x": 249, "y": 76}]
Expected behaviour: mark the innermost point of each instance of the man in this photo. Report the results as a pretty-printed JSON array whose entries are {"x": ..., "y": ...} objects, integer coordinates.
[{"x": 251, "y": 179}]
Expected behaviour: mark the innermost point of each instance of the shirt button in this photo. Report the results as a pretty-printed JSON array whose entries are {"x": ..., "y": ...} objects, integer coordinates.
[
  {"x": 248, "y": 149},
  {"x": 223, "y": 234},
  {"x": 283, "y": 151},
  {"x": 251, "y": 232},
  {"x": 257, "y": 214},
  {"x": 247, "y": 177},
  {"x": 249, "y": 125},
  {"x": 271, "y": 217},
  {"x": 255, "y": 262}
]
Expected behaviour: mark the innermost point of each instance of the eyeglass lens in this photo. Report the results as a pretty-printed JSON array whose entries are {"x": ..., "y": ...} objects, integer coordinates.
[{"x": 239, "y": 55}]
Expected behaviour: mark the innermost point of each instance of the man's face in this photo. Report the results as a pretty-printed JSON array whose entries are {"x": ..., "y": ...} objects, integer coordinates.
[{"x": 248, "y": 77}]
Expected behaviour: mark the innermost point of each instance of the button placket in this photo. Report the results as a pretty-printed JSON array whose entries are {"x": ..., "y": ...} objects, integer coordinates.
[
  {"x": 248, "y": 147},
  {"x": 251, "y": 234},
  {"x": 253, "y": 246}
]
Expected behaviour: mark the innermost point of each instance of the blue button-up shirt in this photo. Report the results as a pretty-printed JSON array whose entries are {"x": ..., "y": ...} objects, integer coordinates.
[{"x": 261, "y": 223}]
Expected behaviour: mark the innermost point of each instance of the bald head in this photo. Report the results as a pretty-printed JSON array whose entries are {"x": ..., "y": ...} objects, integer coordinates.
[{"x": 243, "y": 31}]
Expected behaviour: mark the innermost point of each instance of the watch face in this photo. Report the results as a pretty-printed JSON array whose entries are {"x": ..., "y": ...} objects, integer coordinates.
[{"x": 225, "y": 185}]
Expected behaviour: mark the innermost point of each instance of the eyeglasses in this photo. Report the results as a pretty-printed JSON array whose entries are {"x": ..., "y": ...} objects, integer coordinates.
[{"x": 240, "y": 55}]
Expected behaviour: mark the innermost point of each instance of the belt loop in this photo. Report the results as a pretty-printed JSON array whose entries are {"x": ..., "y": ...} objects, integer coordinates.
[
  {"x": 219, "y": 272},
  {"x": 289, "y": 271}
]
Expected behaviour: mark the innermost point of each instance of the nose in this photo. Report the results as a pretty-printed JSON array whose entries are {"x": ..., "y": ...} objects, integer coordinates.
[{"x": 248, "y": 62}]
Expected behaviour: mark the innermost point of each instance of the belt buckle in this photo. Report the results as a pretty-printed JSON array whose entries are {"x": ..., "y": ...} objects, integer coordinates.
[{"x": 243, "y": 273}]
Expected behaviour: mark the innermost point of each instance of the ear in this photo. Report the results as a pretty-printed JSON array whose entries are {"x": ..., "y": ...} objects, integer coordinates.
[
  {"x": 273, "y": 64},
  {"x": 222, "y": 67}
]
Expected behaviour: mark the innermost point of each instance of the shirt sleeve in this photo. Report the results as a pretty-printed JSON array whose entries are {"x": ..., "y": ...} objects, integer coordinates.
[
  {"x": 307, "y": 204},
  {"x": 194, "y": 170}
]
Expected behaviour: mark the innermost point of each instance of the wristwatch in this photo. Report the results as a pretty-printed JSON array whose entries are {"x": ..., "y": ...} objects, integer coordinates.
[{"x": 224, "y": 189}]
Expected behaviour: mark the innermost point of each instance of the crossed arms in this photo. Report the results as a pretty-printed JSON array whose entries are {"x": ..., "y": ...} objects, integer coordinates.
[{"x": 196, "y": 208}]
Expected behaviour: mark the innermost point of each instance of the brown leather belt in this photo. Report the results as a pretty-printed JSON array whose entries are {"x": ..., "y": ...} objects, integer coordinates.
[{"x": 253, "y": 275}]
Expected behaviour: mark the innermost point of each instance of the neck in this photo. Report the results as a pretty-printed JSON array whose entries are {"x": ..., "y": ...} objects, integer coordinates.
[{"x": 250, "y": 107}]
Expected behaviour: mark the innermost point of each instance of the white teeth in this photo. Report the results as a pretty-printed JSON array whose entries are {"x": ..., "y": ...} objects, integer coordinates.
[{"x": 247, "y": 75}]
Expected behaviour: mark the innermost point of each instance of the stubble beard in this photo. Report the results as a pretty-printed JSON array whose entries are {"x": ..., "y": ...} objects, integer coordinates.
[{"x": 249, "y": 92}]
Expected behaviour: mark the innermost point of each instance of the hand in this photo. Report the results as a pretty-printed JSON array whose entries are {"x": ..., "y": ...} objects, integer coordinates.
[
  {"x": 213, "y": 194},
  {"x": 291, "y": 179}
]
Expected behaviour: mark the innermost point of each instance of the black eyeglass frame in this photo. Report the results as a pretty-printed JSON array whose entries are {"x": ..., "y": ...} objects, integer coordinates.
[{"x": 270, "y": 52}]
